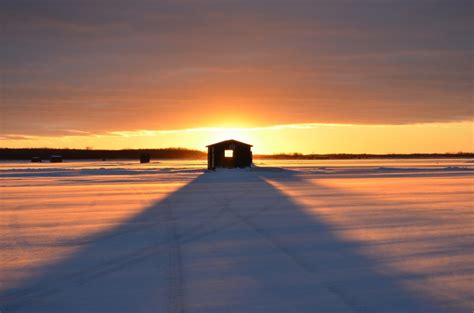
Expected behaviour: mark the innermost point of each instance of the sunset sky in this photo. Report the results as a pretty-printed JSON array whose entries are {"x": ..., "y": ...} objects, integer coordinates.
[{"x": 375, "y": 76}]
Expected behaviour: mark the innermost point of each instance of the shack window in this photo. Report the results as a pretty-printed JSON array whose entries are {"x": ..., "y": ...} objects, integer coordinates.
[{"x": 229, "y": 153}]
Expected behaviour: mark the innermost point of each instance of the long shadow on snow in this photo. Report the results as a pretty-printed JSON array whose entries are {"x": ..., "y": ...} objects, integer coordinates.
[{"x": 226, "y": 242}]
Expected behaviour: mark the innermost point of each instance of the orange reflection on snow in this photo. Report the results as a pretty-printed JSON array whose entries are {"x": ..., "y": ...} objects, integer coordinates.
[
  {"x": 418, "y": 229},
  {"x": 46, "y": 221}
]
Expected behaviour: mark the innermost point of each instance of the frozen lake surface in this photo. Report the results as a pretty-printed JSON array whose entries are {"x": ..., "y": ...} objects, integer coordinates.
[{"x": 286, "y": 236}]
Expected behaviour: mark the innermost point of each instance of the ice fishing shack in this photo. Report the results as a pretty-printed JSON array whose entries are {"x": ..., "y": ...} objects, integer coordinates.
[{"x": 229, "y": 154}]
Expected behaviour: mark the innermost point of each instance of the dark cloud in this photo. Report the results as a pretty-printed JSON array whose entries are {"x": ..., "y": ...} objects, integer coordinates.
[{"x": 105, "y": 66}]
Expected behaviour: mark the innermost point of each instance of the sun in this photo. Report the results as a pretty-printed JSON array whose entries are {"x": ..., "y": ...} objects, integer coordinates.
[{"x": 240, "y": 134}]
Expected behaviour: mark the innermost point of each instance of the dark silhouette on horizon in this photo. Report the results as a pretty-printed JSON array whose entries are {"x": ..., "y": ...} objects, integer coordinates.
[
  {"x": 229, "y": 154},
  {"x": 183, "y": 153}
]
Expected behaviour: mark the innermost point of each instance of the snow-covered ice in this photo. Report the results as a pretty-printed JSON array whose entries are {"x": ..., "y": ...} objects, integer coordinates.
[{"x": 285, "y": 236}]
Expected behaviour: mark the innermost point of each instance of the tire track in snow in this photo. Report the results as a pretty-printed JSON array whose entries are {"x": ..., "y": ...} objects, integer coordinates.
[
  {"x": 171, "y": 245},
  {"x": 87, "y": 275},
  {"x": 175, "y": 288},
  {"x": 300, "y": 262},
  {"x": 346, "y": 299}
]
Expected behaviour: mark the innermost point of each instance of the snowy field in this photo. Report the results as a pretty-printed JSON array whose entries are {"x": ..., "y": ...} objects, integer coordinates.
[{"x": 286, "y": 236}]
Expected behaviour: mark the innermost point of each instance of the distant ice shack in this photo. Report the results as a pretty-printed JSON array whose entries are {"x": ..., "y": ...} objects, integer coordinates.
[{"x": 229, "y": 154}]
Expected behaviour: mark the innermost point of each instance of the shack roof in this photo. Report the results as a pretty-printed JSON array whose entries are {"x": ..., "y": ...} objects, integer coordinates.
[{"x": 231, "y": 141}]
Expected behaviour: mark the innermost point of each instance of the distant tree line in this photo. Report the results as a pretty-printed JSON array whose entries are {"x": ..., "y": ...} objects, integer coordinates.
[
  {"x": 90, "y": 154},
  {"x": 182, "y": 153},
  {"x": 349, "y": 156}
]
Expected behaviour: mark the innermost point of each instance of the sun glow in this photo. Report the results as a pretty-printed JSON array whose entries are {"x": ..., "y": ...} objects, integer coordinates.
[
  {"x": 304, "y": 138},
  {"x": 240, "y": 134}
]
